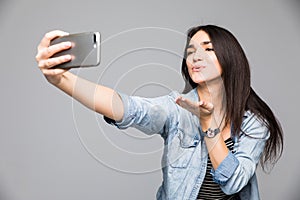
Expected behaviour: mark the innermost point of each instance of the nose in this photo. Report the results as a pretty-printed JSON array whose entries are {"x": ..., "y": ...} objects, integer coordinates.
[{"x": 198, "y": 55}]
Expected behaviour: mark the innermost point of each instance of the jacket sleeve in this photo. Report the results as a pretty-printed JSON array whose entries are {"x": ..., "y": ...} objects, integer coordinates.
[
  {"x": 149, "y": 115},
  {"x": 235, "y": 171}
]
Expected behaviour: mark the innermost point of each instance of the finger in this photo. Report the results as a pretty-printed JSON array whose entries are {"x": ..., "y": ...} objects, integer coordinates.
[
  {"x": 206, "y": 105},
  {"x": 183, "y": 102},
  {"x": 186, "y": 103},
  {"x": 51, "y": 50},
  {"x": 53, "y": 72},
  {"x": 45, "y": 42},
  {"x": 190, "y": 103},
  {"x": 179, "y": 99},
  {"x": 51, "y": 62},
  {"x": 209, "y": 106}
]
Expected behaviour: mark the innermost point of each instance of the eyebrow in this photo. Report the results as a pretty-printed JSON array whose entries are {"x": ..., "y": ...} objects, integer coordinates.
[{"x": 205, "y": 42}]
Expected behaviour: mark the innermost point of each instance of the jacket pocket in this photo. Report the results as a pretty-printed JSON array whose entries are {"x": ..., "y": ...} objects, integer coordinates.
[{"x": 180, "y": 153}]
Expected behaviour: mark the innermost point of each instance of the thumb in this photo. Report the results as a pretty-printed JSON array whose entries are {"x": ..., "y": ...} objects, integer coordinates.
[{"x": 206, "y": 105}]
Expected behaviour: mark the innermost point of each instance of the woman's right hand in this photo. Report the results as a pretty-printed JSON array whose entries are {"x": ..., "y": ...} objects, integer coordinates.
[{"x": 45, "y": 51}]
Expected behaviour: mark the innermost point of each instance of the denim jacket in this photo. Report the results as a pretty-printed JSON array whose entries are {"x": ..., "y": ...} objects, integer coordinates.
[{"x": 185, "y": 154}]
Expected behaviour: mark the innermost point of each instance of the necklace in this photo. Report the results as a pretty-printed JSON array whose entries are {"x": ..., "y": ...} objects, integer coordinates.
[{"x": 221, "y": 123}]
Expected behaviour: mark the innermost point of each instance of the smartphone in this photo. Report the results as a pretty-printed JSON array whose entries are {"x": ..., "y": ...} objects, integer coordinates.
[{"x": 85, "y": 50}]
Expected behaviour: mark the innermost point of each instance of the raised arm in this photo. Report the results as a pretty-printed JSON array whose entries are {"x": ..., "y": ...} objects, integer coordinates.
[{"x": 96, "y": 97}]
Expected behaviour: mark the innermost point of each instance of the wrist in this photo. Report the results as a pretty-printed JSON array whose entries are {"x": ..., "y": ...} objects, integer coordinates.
[
  {"x": 54, "y": 80},
  {"x": 66, "y": 83},
  {"x": 211, "y": 128},
  {"x": 211, "y": 132},
  {"x": 61, "y": 80},
  {"x": 208, "y": 123}
]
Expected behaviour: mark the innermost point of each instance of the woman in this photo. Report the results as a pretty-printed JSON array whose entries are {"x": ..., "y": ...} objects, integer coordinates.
[{"x": 214, "y": 135}]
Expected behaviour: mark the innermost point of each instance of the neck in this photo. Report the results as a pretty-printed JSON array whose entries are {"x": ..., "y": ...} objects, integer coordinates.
[{"x": 213, "y": 92}]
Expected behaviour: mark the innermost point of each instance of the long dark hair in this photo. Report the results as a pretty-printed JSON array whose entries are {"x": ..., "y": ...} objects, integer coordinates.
[{"x": 240, "y": 96}]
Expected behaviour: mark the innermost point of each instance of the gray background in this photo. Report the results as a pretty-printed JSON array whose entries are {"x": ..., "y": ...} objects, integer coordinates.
[{"x": 53, "y": 148}]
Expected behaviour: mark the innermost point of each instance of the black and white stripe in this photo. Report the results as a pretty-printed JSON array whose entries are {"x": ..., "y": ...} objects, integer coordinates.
[{"x": 209, "y": 189}]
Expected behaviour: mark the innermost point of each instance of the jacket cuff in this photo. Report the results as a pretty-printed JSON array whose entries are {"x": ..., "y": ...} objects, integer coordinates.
[
  {"x": 225, "y": 170},
  {"x": 125, "y": 122}
]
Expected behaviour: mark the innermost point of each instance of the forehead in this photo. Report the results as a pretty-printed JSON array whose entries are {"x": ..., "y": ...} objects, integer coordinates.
[{"x": 199, "y": 38}]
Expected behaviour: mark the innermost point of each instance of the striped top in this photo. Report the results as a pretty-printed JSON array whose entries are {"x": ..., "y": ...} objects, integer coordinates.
[{"x": 209, "y": 189}]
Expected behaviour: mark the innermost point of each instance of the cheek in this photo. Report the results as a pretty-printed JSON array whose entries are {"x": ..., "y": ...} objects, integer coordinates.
[
  {"x": 189, "y": 62},
  {"x": 218, "y": 66}
]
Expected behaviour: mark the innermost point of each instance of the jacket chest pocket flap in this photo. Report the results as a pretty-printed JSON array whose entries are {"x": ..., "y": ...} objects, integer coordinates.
[{"x": 181, "y": 149}]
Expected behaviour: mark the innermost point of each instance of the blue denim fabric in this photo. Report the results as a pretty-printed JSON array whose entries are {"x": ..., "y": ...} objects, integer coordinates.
[{"x": 185, "y": 154}]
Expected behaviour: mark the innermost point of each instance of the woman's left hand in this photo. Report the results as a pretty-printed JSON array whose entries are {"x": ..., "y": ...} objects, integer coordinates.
[{"x": 202, "y": 109}]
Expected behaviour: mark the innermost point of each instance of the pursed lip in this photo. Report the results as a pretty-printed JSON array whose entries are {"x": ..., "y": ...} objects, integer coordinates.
[{"x": 197, "y": 68}]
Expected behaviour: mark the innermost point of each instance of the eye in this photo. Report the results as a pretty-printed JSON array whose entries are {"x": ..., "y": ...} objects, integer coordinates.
[
  {"x": 189, "y": 53},
  {"x": 209, "y": 49}
]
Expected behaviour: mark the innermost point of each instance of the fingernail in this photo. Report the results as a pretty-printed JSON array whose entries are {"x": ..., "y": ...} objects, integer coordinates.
[
  {"x": 67, "y": 57},
  {"x": 68, "y": 44}
]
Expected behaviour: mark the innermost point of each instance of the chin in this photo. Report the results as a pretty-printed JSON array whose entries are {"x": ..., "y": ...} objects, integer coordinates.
[{"x": 198, "y": 81}]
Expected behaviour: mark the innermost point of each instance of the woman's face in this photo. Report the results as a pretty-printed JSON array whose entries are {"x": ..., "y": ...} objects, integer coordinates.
[{"x": 203, "y": 65}]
